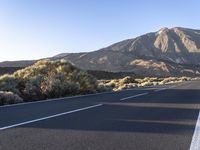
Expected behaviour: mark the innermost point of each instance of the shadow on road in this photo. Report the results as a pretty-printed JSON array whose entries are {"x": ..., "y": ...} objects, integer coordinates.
[{"x": 170, "y": 112}]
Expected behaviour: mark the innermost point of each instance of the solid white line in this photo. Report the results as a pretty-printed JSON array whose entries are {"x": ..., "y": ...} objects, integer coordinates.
[
  {"x": 195, "y": 144},
  {"x": 174, "y": 86},
  {"x": 160, "y": 89},
  {"x": 77, "y": 96},
  {"x": 49, "y": 117},
  {"x": 55, "y": 99},
  {"x": 134, "y": 96},
  {"x": 69, "y": 97}
]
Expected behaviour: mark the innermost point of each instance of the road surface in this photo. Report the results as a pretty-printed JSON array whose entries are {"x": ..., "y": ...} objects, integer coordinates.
[{"x": 155, "y": 118}]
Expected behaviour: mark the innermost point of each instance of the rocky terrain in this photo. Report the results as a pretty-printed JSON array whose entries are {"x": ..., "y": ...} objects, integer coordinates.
[{"x": 167, "y": 52}]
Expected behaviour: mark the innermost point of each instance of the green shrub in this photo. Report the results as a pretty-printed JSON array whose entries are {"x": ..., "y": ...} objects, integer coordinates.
[
  {"x": 49, "y": 79},
  {"x": 9, "y": 98},
  {"x": 57, "y": 88},
  {"x": 32, "y": 88},
  {"x": 88, "y": 84},
  {"x": 9, "y": 83}
]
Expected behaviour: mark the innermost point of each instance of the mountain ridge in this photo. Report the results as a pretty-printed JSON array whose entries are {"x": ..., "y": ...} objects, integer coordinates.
[{"x": 169, "y": 51}]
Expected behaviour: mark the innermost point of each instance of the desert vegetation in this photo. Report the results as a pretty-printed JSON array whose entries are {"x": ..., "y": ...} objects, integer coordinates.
[
  {"x": 9, "y": 98},
  {"x": 52, "y": 79},
  {"x": 45, "y": 79},
  {"x": 132, "y": 82}
]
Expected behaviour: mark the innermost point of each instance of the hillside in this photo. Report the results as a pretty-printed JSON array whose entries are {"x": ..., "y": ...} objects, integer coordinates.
[{"x": 167, "y": 52}]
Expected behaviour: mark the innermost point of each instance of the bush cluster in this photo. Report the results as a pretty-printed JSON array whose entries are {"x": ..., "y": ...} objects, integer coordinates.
[
  {"x": 132, "y": 82},
  {"x": 51, "y": 79},
  {"x": 9, "y": 98},
  {"x": 48, "y": 79}
]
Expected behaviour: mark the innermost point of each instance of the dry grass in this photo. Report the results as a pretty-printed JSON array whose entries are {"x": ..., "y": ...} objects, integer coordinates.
[
  {"x": 131, "y": 82},
  {"x": 51, "y": 79}
]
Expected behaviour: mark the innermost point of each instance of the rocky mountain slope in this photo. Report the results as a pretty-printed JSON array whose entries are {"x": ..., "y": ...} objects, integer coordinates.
[{"x": 168, "y": 52}]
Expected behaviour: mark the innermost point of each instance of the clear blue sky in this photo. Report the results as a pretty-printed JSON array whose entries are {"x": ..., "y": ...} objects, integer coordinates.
[{"x": 31, "y": 29}]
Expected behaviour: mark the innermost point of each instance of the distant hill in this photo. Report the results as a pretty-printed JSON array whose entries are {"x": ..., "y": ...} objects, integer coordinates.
[
  {"x": 8, "y": 70},
  {"x": 97, "y": 74},
  {"x": 20, "y": 63},
  {"x": 167, "y": 52}
]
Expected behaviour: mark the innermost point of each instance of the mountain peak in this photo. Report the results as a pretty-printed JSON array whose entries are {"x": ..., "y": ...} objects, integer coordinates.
[
  {"x": 163, "y": 30},
  {"x": 169, "y": 51}
]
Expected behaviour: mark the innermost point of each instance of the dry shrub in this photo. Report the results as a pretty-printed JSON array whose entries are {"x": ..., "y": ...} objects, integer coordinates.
[
  {"x": 49, "y": 79},
  {"x": 111, "y": 84},
  {"x": 128, "y": 79},
  {"x": 9, "y": 83},
  {"x": 9, "y": 98}
]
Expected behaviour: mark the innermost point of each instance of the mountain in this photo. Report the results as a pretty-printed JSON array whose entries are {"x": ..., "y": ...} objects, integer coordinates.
[
  {"x": 167, "y": 52},
  {"x": 20, "y": 63}
]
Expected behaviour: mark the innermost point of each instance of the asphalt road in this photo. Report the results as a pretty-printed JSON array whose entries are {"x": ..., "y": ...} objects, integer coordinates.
[{"x": 156, "y": 118}]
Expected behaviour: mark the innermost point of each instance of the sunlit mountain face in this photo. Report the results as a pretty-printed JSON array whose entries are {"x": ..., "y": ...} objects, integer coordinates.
[{"x": 167, "y": 52}]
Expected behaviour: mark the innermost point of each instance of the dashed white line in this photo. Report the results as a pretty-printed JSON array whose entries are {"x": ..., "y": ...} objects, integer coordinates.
[
  {"x": 195, "y": 144},
  {"x": 162, "y": 89},
  {"x": 49, "y": 117},
  {"x": 134, "y": 96}
]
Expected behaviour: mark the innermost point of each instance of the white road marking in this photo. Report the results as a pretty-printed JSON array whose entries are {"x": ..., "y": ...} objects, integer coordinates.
[
  {"x": 173, "y": 86},
  {"x": 160, "y": 89},
  {"x": 49, "y": 117},
  {"x": 79, "y": 96},
  {"x": 69, "y": 97},
  {"x": 195, "y": 144},
  {"x": 134, "y": 96},
  {"x": 54, "y": 99}
]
